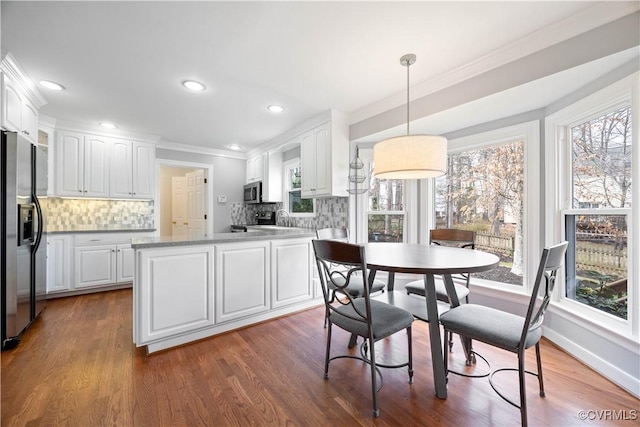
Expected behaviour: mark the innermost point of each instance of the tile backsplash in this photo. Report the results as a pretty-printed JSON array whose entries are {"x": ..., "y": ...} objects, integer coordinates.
[
  {"x": 330, "y": 212},
  {"x": 69, "y": 214}
]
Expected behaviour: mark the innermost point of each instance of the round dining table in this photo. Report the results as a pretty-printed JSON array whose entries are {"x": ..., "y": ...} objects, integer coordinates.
[{"x": 428, "y": 261}]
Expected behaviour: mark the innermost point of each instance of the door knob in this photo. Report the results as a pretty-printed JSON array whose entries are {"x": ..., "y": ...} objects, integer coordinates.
[{"x": 173, "y": 222}]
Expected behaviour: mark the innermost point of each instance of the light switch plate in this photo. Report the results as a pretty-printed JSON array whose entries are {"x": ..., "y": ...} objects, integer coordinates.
[{"x": 222, "y": 198}]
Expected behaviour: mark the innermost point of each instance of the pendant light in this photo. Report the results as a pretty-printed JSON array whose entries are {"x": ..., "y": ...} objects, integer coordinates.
[{"x": 410, "y": 156}]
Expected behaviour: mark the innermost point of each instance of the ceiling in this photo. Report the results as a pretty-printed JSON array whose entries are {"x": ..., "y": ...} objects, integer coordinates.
[{"x": 124, "y": 61}]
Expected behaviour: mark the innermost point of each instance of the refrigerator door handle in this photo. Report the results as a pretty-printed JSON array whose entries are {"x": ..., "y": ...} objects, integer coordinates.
[{"x": 39, "y": 223}]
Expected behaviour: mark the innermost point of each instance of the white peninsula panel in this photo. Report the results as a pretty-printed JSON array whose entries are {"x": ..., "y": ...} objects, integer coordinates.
[
  {"x": 242, "y": 279},
  {"x": 175, "y": 292}
]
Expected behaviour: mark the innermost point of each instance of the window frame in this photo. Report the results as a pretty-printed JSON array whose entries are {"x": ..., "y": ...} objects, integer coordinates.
[
  {"x": 559, "y": 200},
  {"x": 286, "y": 189},
  {"x": 529, "y": 132}
]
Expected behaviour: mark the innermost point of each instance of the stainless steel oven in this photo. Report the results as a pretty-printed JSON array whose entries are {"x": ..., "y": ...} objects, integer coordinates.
[{"x": 253, "y": 192}]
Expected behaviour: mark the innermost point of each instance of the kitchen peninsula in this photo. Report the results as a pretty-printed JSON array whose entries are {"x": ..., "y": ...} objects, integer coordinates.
[{"x": 189, "y": 289}]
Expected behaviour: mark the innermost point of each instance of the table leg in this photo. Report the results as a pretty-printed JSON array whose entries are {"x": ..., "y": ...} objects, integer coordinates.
[{"x": 439, "y": 377}]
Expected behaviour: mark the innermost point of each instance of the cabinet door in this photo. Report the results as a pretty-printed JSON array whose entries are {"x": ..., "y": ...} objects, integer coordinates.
[
  {"x": 255, "y": 168},
  {"x": 69, "y": 169},
  {"x": 322, "y": 139},
  {"x": 242, "y": 280},
  {"x": 120, "y": 182},
  {"x": 95, "y": 266},
  {"x": 96, "y": 166},
  {"x": 59, "y": 263},
  {"x": 290, "y": 271},
  {"x": 308, "y": 164},
  {"x": 143, "y": 176},
  {"x": 30, "y": 122},
  {"x": 11, "y": 106},
  {"x": 124, "y": 263},
  {"x": 173, "y": 293}
]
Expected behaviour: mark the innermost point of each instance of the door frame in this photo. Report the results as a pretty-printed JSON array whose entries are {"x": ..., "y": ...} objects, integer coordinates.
[{"x": 208, "y": 194}]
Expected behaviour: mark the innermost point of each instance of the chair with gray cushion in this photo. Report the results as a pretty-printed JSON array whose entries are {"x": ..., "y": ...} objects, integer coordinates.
[
  {"x": 448, "y": 237},
  {"x": 370, "y": 319},
  {"x": 509, "y": 331}
]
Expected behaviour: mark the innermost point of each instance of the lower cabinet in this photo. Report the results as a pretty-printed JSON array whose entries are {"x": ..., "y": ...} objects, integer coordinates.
[
  {"x": 173, "y": 293},
  {"x": 59, "y": 263},
  {"x": 83, "y": 261},
  {"x": 242, "y": 279},
  {"x": 290, "y": 271}
]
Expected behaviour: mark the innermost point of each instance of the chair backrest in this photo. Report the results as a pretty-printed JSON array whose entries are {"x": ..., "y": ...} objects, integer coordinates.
[
  {"x": 551, "y": 261},
  {"x": 461, "y": 238},
  {"x": 341, "y": 234},
  {"x": 351, "y": 260}
]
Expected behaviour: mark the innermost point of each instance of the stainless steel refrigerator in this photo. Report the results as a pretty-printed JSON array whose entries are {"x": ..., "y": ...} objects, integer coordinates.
[{"x": 23, "y": 249}]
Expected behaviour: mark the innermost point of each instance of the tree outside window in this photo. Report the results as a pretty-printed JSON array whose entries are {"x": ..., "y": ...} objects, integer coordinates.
[
  {"x": 386, "y": 209},
  {"x": 483, "y": 191}
]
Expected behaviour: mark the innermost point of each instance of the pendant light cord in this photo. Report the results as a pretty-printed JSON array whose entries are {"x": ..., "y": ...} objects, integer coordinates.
[{"x": 408, "y": 65}]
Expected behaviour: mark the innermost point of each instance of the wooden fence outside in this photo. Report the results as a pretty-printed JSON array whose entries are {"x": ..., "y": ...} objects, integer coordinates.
[{"x": 606, "y": 260}]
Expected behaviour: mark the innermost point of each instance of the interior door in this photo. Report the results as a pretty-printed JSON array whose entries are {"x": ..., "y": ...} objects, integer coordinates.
[
  {"x": 179, "y": 206},
  {"x": 195, "y": 204}
]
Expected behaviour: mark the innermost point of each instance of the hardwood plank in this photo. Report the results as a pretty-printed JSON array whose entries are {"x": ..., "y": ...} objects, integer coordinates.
[{"x": 77, "y": 366}]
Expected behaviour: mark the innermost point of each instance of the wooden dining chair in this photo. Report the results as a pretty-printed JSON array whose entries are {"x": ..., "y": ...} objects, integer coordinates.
[
  {"x": 362, "y": 316},
  {"x": 448, "y": 237},
  {"x": 509, "y": 331}
]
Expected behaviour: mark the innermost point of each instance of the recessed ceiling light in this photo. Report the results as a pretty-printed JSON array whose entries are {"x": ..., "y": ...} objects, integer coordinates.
[
  {"x": 51, "y": 85},
  {"x": 193, "y": 85},
  {"x": 234, "y": 147},
  {"x": 275, "y": 108},
  {"x": 108, "y": 125}
]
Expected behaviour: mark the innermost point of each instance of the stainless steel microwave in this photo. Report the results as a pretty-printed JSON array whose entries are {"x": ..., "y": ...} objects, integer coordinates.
[{"x": 253, "y": 192}]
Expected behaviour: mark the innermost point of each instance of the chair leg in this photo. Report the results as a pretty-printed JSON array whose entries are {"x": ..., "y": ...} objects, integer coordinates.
[
  {"x": 410, "y": 349},
  {"x": 450, "y": 334},
  {"x": 539, "y": 361},
  {"x": 374, "y": 378},
  {"x": 326, "y": 359},
  {"x": 523, "y": 390},
  {"x": 446, "y": 359}
]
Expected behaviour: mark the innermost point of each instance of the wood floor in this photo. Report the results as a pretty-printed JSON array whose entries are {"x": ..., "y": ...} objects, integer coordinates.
[{"x": 77, "y": 366}]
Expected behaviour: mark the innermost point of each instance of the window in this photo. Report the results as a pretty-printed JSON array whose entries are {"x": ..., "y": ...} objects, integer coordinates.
[
  {"x": 592, "y": 163},
  {"x": 382, "y": 210},
  {"x": 293, "y": 201},
  {"x": 596, "y": 222},
  {"x": 483, "y": 191}
]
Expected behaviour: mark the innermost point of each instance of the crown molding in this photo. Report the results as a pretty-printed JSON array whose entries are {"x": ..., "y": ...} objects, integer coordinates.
[
  {"x": 197, "y": 149},
  {"x": 20, "y": 78}
]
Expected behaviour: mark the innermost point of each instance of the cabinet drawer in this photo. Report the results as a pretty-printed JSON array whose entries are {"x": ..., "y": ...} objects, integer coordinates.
[{"x": 91, "y": 239}]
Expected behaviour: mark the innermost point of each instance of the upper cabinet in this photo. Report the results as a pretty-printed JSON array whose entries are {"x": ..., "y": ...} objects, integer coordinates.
[
  {"x": 255, "y": 168},
  {"x": 20, "y": 101},
  {"x": 324, "y": 158},
  {"x": 82, "y": 165},
  {"x": 95, "y": 166},
  {"x": 132, "y": 169},
  {"x": 272, "y": 177}
]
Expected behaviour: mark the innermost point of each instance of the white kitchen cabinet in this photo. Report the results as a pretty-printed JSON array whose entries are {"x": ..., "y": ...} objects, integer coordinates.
[
  {"x": 324, "y": 159},
  {"x": 18, "y": 114},
  {"x": 272, "y": 178},
  {"x": 173, "y": 292},
  {"x": 59, "y": 263},
  {"x": 242, "y": 279},
  {"x": 290, "y": 271},
  {"x": 132, "y": 169},
  {"x": 125, "y": 263},
  {"x": 255, "y": 168},
  {"x": 82, "y": 165},
  {"x": 95, "y": 266},
  {"x": 101, "y": 259}
]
